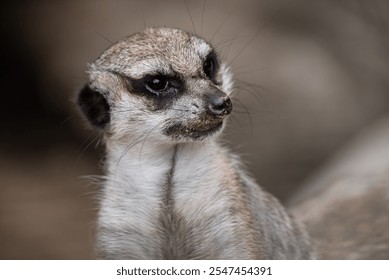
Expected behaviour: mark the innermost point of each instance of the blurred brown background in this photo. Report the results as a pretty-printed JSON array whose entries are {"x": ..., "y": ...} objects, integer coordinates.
[{"x": 310, "y": 75}]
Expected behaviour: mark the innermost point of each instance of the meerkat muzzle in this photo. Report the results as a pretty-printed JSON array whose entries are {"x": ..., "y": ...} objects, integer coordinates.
[{"x": 218, "y": 104}]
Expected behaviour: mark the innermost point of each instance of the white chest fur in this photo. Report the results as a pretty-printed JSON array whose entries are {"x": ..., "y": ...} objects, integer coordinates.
[{"x": 171, "y": 202}]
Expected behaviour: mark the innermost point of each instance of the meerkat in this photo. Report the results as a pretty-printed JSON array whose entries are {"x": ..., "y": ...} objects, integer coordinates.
[{"x": 161, "y": 99}]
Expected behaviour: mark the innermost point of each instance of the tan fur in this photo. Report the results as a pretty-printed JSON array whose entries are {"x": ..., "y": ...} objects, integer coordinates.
[{"x": 171, "y": 191}]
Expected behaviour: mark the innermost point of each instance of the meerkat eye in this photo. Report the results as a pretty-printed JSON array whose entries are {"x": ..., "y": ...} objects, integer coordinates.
[
  {"x": 157, "y": 83},
  {"x": 210, "y": 65}
]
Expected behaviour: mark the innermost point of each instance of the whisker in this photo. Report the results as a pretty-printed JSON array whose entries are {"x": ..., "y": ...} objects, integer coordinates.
[
  {"x": 243, "y": 73},
  {"x": 227, "y": 43},
  {"x": 253, "y": 90},
  {"x": 222, "y": 24},
  {"x": 182, "y": 108},
  {"x": 248, "y": 114},
  {"x": 86, "y": 144},
  {"x": 258, "y": 32},
  {"x": 144, "y": 141},
  {"x": 66, "y": 120},
  {"x": 136, "y": 141},
  {"x": 191, "y": 19},
  {"x": 236, "y": 36},
  {"x": 143, "y": 17},
  {"x": 104, "y": 37},
  {"x": 202, "y": 15}
]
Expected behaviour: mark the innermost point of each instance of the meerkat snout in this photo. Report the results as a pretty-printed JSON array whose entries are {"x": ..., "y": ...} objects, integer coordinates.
[{"x": 219, "y": 104}]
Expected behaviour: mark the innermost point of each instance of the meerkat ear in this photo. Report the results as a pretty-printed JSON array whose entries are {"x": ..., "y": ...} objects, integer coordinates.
[{"x": 94, "y": 106}]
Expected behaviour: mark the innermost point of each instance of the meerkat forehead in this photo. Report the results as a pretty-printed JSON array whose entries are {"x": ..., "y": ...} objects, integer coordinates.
[{"x": 156, "y": 50}]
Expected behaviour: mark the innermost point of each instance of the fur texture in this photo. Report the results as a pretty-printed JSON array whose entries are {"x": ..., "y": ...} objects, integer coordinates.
[{"x": 171, "y": 191}]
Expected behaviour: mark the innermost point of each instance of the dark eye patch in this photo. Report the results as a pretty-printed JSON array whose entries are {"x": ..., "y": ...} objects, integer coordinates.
[
  {"x": 211, "y": 66},
  {"x": 160, "y": 89},
  {"x": 156, "y": 86}
]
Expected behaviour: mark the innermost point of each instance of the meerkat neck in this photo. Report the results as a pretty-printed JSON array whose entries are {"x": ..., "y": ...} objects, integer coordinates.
[
  {"x": 147, "y": 164},
  {"x": 145, "y": 154}
]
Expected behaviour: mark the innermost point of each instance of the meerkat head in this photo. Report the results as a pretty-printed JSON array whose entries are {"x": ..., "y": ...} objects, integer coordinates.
[{"x": 162, "y": 83}]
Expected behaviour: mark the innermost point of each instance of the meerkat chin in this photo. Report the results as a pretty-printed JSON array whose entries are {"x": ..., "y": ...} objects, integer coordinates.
[{"x": 171, "y": 191}]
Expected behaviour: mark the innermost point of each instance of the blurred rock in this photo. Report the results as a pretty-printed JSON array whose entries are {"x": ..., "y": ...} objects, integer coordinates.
[{"x": 346, "y": 205}]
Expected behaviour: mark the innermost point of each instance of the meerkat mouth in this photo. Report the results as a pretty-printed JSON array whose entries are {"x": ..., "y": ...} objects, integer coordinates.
[
  {"x": 194, "y": 132},
  {"x": 215, "y": 127}
]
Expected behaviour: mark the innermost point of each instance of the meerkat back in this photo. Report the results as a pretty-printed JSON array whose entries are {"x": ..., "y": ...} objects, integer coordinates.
[{"x": 161, "y": 99}]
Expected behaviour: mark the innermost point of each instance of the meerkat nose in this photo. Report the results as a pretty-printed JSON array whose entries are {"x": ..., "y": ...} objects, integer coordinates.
[{"x": 219, "y": 104}]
